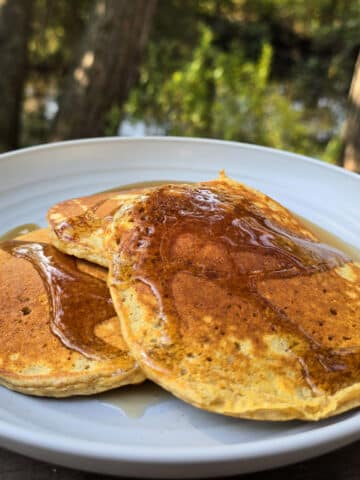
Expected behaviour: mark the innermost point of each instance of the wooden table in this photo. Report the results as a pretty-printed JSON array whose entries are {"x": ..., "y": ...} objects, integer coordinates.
[{"x": 343, "y": 464}]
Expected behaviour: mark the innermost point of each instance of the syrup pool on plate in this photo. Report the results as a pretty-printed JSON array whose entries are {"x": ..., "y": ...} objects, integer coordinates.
[
  {"x": 18, "y": 230},
  {"x": 134, "y": 400}
]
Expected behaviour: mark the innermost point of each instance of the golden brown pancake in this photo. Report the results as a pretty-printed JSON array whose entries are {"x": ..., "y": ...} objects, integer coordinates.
[
  {"x": 33, "y": 359},
  {"x": 230, "y": 303},
  {"x": 78, "y": 226}
]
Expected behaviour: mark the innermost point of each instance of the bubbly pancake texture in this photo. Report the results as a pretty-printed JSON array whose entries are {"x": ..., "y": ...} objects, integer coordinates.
[
  {"x": 230, "y": 303},
  {"x": 78, "y": 226},
  {"x": 34, "y": 359}
]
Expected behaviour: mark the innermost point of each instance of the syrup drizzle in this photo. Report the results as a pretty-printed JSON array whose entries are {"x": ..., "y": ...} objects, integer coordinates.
[
  {"x": 78, "y": 301},
  {"x": 253, "y": 248},
  {"x": 255, "y": 233}
]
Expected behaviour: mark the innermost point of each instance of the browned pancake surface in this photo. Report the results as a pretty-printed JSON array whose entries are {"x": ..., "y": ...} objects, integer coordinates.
[
  {"x": 78, "y": 226},
  {"x": 32, "y": 359},
  {"x": 229, "y": 302}
]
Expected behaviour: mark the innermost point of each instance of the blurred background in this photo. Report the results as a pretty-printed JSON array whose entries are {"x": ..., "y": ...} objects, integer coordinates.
[{"x": 281, "y": 73}]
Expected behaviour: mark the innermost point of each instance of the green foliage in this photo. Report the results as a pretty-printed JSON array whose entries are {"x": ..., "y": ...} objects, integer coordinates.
[
  {"x": 57, "y": 27},
  {"x": 113, "y": 119},
  {"x": 56, "y": 30},
  {"x": 222, "y": 94},
  {"x": 272, "y": 72},
  {"x": 333, "y": 149}
]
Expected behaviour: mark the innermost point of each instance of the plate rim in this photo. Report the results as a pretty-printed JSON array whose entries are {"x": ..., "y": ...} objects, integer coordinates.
[
  {"x": 172, "y": 139},
  {"x": 341, "y": 431},
  {"x": 348, "y": 429}
]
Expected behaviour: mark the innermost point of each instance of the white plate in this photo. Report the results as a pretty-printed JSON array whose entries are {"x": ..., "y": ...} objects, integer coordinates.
[{"x": 171, "y": 439}]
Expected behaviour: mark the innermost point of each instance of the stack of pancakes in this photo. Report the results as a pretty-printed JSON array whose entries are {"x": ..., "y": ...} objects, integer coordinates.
[{"x": 218, "y": 294}]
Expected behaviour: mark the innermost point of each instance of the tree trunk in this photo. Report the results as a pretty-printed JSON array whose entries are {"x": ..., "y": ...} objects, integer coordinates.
[
  {"x": 350, "y": 157},
  {"x": 15, "y": 22},
  {"x": 106, "y": 66}
]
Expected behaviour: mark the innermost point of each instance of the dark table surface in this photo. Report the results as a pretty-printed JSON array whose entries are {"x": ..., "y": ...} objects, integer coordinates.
[{"x": 343, "y": 464}]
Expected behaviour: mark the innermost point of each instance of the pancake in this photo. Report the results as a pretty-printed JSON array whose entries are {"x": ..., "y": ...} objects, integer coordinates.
[
  {"x": 78, "y": 226},
  {"x": 230, "y": 303},
  {"x": 34, "y": 359}
]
